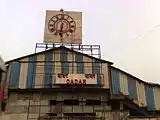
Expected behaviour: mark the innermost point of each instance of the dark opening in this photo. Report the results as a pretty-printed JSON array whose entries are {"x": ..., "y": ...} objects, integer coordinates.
[
  {"x": 134, "y": 113},
  {"x": 115, "y": 105},
  {"x": 51, "y": 114},
  {"x": 3, "y": 106},
  {"x": 52, "y": 102},
  {"x": 93, "y": 102},
  {"x": 125, "y": 107},
  {"x": 71, "y": 102}
]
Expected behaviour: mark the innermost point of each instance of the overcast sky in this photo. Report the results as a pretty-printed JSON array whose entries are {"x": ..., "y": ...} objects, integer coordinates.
[{"x": 127, "y": 30}]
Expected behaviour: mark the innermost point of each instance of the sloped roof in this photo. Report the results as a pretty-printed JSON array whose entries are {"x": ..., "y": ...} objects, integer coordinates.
[
  {"x": 149, "y": 83},
  {"x": 59, "y": 48}
]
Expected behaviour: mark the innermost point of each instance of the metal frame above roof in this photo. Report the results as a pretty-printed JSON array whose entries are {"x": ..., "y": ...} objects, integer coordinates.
[
  {"x": 57, "y": 48},
  {"x": 92, "y": 50}
]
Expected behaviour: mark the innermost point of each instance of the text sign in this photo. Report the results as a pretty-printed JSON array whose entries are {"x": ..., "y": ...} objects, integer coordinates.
[{"x": 76, "y": 79}]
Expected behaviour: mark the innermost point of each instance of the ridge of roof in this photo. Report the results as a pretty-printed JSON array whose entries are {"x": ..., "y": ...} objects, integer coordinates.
[{"x": 56, "y": 48}]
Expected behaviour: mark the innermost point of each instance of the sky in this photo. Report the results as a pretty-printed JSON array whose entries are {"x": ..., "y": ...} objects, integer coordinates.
[{"x": 128, "y": 31}]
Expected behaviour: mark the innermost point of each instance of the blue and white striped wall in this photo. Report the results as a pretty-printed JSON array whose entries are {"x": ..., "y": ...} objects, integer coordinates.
[
  {"x": 142, "y": 93},
  {"x": 38, "y": 70}
]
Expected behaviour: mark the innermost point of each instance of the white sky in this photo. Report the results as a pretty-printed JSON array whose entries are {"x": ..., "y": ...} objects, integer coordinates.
[{"x": 125, "y": 29}]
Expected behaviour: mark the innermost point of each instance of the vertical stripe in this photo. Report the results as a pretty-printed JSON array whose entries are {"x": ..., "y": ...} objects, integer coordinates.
[
  {"x": 64, "y": 61},
  {"x": 87, "y": 65},
  {"x": 31, "y": 71},
  {"x": 115, "y": 81},
  {"x": 79, "y": 61},
  {"x": 132, "y": 88},
  {"x": 48, "y": 69},
  {"x": 8, "y": 73},
  {"x": 141, "y": 94},
  {"x": 157, "y": 97},
  {"x": 3, "y": 78},
  {"x": 53, "y": 68},
  {"x": 23, "y": 73},
  {"x": 105, "y": 74},
  {"x": 7, "y": 80},
  {"x": 57, "y": 62},
  {"x": 72, "y": 63},
  {"x": 39, "y": 81},
  {"x": 123, "y": 83},
  {"x": 15, "y": 72},
  {"x": 149, "y": 97},
  {"x": 96, "y": 70}
]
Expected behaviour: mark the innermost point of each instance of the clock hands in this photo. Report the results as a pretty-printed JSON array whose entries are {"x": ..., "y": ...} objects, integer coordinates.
[
  {"x": 61, "y": 30},
  {"x": 61, "y": 25}
]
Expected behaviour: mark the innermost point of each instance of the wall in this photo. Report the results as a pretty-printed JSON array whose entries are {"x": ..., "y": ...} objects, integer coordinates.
[
  {"x": 18, "y": 104},
  {"x": 110, "y": 115},
  {"x": 13, "y": 117},
  {"x": 143, "y": 94},
  {"x": 38, "y": 71}
]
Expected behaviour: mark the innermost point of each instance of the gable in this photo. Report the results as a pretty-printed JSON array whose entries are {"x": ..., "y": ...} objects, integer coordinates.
[
  {"x": 39, "y": 70},
  {"x": 61, "y": 48}
]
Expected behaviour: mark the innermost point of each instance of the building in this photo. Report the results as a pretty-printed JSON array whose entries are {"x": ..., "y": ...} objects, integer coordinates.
[
  {"x": 36, "y": 92},
  {"x": 73, "y": 82}
]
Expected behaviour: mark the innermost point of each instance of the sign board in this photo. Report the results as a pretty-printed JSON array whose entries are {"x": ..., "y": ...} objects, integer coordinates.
[
  {"x": 76, "y": 79},
  {"x": 63, "y": 27}
]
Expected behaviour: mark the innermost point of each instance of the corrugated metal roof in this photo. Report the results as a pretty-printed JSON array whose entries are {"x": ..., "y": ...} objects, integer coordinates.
[
  {"x": 61, "y": 47},
  {"x": 149, "y": 83}
]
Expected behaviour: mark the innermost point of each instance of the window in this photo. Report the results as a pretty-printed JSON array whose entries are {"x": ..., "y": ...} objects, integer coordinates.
[
  {"x": 71, "y": 102},
  {"x": 3, "y": 106},
  {"x": 93, "y": 102},
  {"x": 52, "y": 102}
]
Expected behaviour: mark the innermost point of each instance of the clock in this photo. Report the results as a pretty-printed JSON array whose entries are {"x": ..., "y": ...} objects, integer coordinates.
[{"x": 61, "y": 24}]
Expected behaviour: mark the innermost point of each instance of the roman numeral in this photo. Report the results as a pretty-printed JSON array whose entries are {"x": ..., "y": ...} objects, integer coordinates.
[
  {"x": 51, "y": 25},
  {"x": 71, "y": 22},
  {"x": 52, "y": 29}
]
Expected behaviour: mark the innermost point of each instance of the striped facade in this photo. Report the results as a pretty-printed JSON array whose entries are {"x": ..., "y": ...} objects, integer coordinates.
[
  {"x": 142, "y": 94},
  {"x": 156, "y": 91},
  {"x": 39, "y": 70}
]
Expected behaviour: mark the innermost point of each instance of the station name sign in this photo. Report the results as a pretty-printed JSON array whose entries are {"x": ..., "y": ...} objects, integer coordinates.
[{"x": 76, "y": 79}]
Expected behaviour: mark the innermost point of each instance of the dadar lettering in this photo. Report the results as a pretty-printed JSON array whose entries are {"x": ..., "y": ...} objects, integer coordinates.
[{"x": 76, "y": 81}]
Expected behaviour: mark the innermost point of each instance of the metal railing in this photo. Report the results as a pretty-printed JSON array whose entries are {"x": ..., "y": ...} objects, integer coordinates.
[{"x": 92, "y": 50}]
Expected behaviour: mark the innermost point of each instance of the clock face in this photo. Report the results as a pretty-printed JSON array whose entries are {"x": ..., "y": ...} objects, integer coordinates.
[{"x": 61, "y": 24}]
